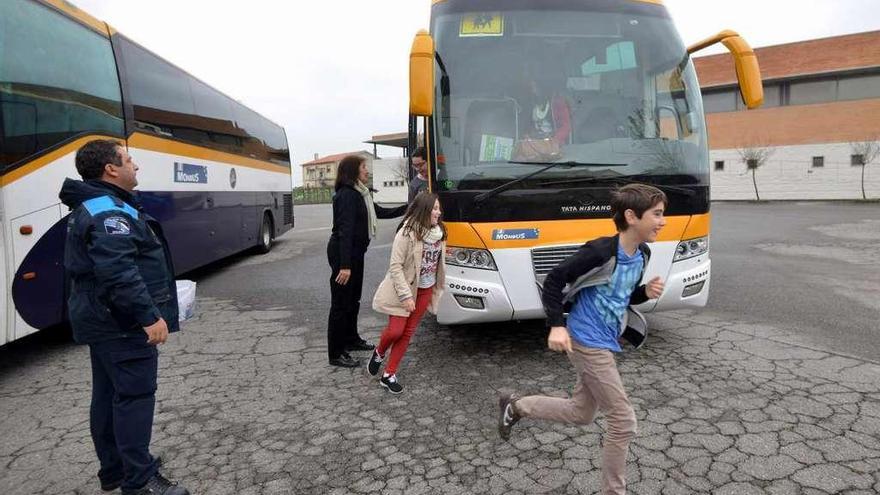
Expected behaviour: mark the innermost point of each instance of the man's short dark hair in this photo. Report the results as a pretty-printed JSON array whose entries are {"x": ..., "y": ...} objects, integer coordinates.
[
  {"x": 420, "y": 152},
  {"x": 636, "y": 197},
  {"x": 94, "y": 155}
]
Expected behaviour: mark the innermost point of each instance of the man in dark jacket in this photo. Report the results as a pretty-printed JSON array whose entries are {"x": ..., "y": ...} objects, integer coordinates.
[{"x": 123, "y": 303}]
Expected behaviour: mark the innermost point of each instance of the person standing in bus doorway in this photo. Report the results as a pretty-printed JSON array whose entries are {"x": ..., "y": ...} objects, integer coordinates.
[
  {"x": 413, "y": 284},
  {"x": 603, "y": 276},
  {"x": 354, "y": 225},
  {"x": 418, "y": 183},
  {"x": 122, "y": 304}
]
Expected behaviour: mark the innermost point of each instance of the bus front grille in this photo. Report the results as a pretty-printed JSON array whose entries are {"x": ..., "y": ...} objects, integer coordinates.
[
  {"x": 545, "y": 259},
  {"x": 288, "y": 209}
]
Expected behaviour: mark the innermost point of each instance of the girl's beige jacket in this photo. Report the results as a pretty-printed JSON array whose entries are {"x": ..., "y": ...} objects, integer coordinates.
[{"x": 402, "y": 279}]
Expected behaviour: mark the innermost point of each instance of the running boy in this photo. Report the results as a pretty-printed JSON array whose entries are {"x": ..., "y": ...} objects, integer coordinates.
[{"x": 603, "y": 275}]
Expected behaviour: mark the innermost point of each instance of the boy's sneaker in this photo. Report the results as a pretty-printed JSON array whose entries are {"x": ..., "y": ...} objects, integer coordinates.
[
  {"x": 375, "y": 363},
  {"x": 390, "y": 382},
  {"x": 507, "y": 416}
]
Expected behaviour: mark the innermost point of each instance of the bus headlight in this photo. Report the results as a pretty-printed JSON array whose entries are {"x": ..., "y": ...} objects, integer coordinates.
[
  {"x": 470, "y": 258},
  {"x": 690, "y": 248}
]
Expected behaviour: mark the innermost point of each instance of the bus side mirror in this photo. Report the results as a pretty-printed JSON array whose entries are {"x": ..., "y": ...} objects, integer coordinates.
[
  {"x": 421, "y": 75},
  {"x": 748, "y": 73}
]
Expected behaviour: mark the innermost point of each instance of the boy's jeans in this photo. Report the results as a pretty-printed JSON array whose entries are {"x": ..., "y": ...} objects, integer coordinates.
[{"x": 598, "y": 387}]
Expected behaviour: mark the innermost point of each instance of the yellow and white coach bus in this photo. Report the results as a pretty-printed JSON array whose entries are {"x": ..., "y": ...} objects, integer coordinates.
[
  {"x": 214, "y": 172},
  {"x": 534, "y": 111}
]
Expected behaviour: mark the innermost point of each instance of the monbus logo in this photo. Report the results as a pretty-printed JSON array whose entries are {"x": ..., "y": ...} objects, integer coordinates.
[
  {"x": 189, "y": 173},
  {"x": 514, "y": 234}
]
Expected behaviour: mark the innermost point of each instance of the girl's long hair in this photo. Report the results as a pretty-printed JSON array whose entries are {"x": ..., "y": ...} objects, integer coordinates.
[{"x": 418, "y": 216}]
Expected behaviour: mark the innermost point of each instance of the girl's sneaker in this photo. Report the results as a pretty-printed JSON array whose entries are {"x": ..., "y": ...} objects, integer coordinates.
[
  {"x": 390, "y": 382},
  {"x": 375, "y": 363}
]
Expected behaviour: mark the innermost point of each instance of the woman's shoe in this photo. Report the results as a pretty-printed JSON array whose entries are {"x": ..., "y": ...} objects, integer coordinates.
[
  {"x": 361, "y": 345},
  {"x": 345, "y": 361}
]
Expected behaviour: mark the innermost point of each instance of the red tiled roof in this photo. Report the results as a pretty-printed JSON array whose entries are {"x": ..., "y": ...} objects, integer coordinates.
[
  {"x": 838, "y": 53},
  {"x": 337, "y": 157}
]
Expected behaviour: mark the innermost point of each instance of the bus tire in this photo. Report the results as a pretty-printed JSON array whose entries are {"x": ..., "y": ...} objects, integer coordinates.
[{"x": 266, "y": 235}]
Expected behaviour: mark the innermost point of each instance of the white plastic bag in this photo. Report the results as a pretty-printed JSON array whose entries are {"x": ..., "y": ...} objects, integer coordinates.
[{"x": 186, "y": 299}]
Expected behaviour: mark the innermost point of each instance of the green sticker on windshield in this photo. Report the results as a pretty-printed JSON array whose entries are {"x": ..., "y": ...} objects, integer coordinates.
[
  {"x": 483, "y": 24},
  {"x": 495, "y": 148}
]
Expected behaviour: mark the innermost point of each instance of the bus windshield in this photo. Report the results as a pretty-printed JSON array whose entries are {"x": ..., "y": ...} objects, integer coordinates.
[{"x": 522, "y": 87}]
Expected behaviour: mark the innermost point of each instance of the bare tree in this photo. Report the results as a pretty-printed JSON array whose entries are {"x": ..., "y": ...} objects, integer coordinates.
[
  {"x": 755, "y": 156},
  {"x": 865, "y": 152},
  {"x": 400, "y": 170}
]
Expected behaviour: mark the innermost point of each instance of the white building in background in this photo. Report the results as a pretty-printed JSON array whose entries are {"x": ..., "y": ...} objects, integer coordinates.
[
  {"x": 819, "y": 96},
  {"x": 389, "y": 179}
]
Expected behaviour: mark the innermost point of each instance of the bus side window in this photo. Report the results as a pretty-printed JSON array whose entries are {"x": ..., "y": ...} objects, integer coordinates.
[{"x": 59, "y": 81}]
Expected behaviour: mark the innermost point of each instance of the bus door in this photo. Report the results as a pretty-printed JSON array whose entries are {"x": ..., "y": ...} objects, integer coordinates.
[{"x": 36, "y": 237}]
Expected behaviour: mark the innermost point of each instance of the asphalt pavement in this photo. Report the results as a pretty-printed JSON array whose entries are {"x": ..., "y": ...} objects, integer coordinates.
[{"x": 769, "y": 390}]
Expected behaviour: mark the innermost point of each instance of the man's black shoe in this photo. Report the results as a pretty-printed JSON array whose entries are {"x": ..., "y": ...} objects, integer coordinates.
[
  {"x": 158, "y": 485},
  {"x": 361, "y": 345},
  {"x": 391, "y": 383},
  {"x": 109, "y": 486},
  {"x": 507, "y": 415},
  {"x": 345, "y": 361},
  {"x": 375, "y": 363}
]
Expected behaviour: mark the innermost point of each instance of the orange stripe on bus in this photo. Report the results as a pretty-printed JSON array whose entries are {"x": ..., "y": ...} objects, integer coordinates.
[
  {"x": 699, "y": 226},
  {"x": 161, "y": 145},
  {"x": 50, "y": 157},
  {"x": 79, "y": 15},
  {"x": 145, "y": 142},
  {"x": 479, "y": 235}
]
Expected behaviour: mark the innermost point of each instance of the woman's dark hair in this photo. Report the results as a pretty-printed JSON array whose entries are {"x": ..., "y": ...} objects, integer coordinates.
[
  {"x": 348, "y": 171},
  {"x": 94, "y": 156},
  {"x": 418, "y": 216}
]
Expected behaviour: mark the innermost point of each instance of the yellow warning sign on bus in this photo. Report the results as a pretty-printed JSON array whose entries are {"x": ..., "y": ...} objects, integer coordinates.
[{"x": 483, "y": 24}]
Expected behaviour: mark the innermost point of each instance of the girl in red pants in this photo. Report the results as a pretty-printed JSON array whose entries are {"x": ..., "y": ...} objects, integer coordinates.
[{"x": 413, "y": 284}]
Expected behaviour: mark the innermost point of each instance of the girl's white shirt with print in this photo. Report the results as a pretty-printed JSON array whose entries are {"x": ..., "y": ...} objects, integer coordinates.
[{"x": 430, "y": 258}]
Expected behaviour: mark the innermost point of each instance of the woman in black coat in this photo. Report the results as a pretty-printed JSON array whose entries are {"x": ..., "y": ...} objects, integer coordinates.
[{"x": 354, "y": 224}]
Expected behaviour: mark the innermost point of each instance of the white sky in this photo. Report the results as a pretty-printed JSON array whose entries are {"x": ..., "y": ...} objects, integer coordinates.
[{"x": 334, "y": 72}]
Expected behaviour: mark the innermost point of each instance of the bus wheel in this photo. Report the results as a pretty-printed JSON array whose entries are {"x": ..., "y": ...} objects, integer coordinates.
[{"x": 265, "y": 244}]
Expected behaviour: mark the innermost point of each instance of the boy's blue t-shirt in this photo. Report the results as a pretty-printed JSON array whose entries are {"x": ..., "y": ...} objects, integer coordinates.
[{"x": 594, "y": 320}]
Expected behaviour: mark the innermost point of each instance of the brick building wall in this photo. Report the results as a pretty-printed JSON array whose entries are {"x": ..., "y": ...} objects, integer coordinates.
[{"x": 796, "y": 132}]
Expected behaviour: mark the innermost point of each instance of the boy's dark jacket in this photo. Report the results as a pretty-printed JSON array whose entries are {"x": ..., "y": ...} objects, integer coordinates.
[
  {"x": 593, "y": 264},
  {"x": 118, "y": 263}
]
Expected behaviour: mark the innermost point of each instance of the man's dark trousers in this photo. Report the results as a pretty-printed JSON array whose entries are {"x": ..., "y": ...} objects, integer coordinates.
[{"x": 123, "y": 402}]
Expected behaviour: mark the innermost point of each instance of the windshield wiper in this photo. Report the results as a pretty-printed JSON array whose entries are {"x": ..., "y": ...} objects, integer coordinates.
[
  {"x": 479, "y": 198},
  {"x": 623, "y": 179}
]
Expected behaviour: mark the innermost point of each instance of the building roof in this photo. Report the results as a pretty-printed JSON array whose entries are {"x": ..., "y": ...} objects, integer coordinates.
[
  {"x": 397, "y": 139},
  {"x": 818, "y": 56},
  {"x": 337, "y": 157}
]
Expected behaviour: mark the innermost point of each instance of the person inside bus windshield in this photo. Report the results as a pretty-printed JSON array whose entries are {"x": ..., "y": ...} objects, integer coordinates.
[
  {"x": 548, "y": 114},
  {"x": 354, "y": 224}
]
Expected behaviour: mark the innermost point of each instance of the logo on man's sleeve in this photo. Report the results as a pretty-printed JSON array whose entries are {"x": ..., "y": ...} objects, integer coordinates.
[{"x": 117, "y": 226}]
